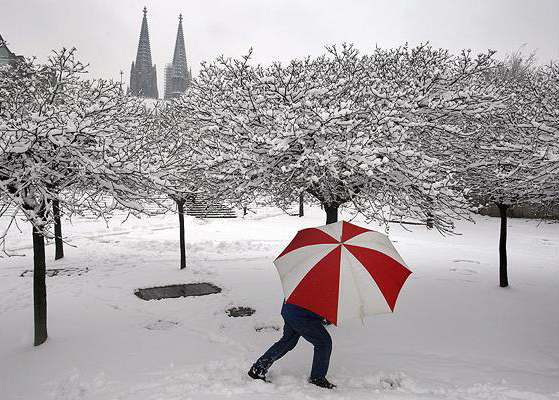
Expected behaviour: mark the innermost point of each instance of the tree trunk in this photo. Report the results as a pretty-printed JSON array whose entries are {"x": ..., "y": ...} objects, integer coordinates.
[
  {"x": 503, "y": 277},
  {"x": 39, "y": 287},
  {"x": 58, "y": 244},
  {"x": 301, "y": 204},
  {"x": 331, "y": 212},
  {"x": 430, "y": 220},
  {"x": 180, "y": 206}
]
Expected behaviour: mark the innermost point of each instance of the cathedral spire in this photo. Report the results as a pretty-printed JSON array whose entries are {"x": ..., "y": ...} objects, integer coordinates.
[
  {"x": 143, "y": 75},
  {"x": 179, "y": 57},
  {"x": 177, "y": 74},
  {"x": 143, "y": 57}
]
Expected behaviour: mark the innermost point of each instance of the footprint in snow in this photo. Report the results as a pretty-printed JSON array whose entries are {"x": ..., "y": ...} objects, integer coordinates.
[
  {"x": 464, "y": 271},
  {"x": 161, "y": 325},
  {"x": 389, "y": 382},
  {"x": 268, "y": 328}
]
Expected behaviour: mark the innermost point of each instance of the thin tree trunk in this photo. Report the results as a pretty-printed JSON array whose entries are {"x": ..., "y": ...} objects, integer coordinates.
[
  {"x": 301, "y": 204},
  {"x": 331, "y": 212},
  {"x": 58, "y": 243},
  {"x": 180, "y": 206},
  {"x": 503, "y": 277},
  {"x": 39, "y": 287},
  {"x": 430, "y": 220}
]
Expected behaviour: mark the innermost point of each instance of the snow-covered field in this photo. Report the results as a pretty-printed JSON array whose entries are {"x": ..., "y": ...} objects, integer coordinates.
[{"x": 455, "y": 334}]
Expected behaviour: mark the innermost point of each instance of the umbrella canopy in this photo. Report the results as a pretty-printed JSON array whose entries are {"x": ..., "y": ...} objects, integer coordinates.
[{"x": 342, "y": 271}]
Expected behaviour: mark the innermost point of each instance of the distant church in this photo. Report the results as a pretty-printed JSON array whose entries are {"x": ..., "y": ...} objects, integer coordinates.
[
  {"x": 143, "y": 74},
  {"x": 7, "y": 56}
]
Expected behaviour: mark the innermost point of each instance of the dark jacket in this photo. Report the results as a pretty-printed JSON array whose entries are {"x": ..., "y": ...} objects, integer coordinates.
[{"x": 293, "y": 311}]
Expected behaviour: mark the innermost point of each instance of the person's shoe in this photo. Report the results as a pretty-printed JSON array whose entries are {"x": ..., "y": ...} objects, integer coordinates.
[
  {"x": 257, "y": 373},
  {"x": 322, "y": 382}
]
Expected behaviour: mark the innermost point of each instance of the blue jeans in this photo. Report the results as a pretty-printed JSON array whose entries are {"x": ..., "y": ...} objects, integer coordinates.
[{"x": 300, "y": 322}]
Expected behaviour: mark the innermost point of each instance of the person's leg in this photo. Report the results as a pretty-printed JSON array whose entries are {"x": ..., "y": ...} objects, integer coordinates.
[
  {"x": 279, "y": 349},
  {"x": 313, "y": 331}
]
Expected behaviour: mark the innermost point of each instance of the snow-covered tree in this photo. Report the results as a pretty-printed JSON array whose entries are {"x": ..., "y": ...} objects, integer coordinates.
[
  {"x": 544, "y": 116},
  {"x": 64, "y": 139},
  {"x": 173, "y": 162},
  {"x": 511, "y": 159},
  {"x": 342, "y": 127},
  {"x": 206, "y": 112}
]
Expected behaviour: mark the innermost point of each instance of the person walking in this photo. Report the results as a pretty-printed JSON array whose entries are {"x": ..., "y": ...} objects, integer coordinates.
[{"x": 298, "y": 322}]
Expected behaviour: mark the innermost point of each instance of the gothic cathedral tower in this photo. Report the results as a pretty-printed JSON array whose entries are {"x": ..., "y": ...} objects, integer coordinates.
[
  {"x": 143, "y": 74},
  {"x": 177, "y": 74}
]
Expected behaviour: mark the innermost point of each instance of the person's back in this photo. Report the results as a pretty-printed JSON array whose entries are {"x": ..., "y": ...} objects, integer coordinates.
[{"x": 295, "y": 311}]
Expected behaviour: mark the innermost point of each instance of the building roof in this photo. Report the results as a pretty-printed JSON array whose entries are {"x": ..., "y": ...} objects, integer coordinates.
[{"x": 6, "y": 55}]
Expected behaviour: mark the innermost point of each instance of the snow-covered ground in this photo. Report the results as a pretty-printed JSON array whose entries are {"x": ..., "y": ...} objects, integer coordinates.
[{"x": 455, "y": 334}]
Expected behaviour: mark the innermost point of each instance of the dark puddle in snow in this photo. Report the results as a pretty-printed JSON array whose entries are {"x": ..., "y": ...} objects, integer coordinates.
[
  {"x": 70, "y": 271},
  {"x": 176, "y": 291},
  {"x": 240, "y": 311}
]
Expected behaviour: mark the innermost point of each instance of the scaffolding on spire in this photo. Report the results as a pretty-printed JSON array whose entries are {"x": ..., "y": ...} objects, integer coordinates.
[{"x": 177, "y": 74}]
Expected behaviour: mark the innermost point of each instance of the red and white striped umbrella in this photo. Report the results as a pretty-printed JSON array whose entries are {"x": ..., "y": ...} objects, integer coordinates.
[{"x": 342, "y": 271}]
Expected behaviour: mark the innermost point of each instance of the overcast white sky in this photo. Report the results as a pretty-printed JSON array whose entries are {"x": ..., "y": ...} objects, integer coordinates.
[{"x": 106, "y": 32}]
